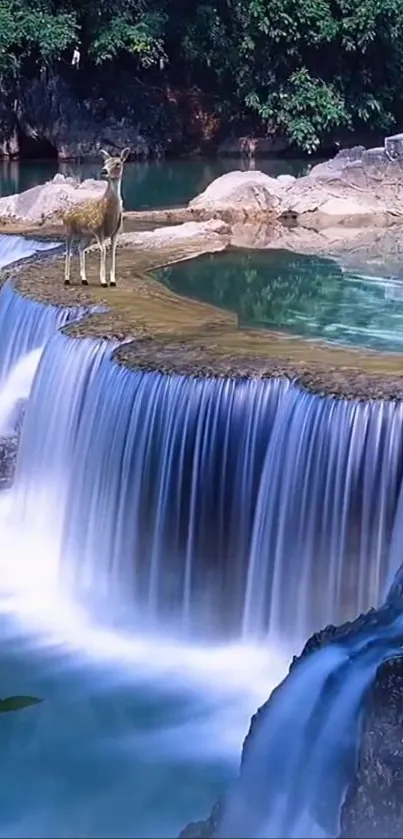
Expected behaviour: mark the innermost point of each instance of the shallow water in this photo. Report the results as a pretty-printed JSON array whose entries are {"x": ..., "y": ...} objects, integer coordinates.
[{"x": 304, "y": 295}]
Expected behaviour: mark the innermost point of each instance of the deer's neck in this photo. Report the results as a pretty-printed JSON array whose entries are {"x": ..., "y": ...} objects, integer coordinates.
[{"x": 114, "y": 190}]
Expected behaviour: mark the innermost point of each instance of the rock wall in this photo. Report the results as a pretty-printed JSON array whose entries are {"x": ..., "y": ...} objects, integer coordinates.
[{"x": 71, "y": 118}]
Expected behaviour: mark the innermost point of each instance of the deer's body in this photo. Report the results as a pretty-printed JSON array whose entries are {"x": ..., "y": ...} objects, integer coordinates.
[{"x": 99, "y": 219}]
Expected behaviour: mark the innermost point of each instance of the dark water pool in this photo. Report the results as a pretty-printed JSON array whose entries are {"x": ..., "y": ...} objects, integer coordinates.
[{"x": 303, "y": 295}]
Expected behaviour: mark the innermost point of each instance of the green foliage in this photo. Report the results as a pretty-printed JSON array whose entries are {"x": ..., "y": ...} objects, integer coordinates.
[
  {"x": 304, "y": 67},
  {"x": 32, "y": 30},
  {"x": 300, "y": 67},
  {"x": 16, "y": 703}
]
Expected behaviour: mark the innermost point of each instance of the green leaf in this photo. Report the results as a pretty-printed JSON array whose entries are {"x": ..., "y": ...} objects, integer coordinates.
[{"x": 16, "y": 703}]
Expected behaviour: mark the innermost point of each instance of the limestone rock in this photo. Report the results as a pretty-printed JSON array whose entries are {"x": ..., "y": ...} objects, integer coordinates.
[
  {"x": 248, "y": 193},
  {"x": 203, "y": 237},
  {"x": 394, "y": 146},
  {"x": 45, "y": 200}
]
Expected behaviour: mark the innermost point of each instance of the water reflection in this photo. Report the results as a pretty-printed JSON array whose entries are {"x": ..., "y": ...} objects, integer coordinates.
[{"x": 309, "y": 296}]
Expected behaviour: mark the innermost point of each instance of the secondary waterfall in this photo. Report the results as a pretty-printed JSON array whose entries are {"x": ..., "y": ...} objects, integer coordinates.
[
  {"x": 230, "y": 505},
  {"x": 302, "y": 755}
]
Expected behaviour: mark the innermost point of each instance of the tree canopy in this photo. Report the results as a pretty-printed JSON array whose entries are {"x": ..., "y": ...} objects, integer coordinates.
[{"x": 300, "y": 67}]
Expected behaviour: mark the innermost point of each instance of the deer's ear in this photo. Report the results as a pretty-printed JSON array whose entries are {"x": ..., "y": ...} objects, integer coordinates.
[
  {"x": 104, "y": 154},
  {"x": 124, "y": 154}
]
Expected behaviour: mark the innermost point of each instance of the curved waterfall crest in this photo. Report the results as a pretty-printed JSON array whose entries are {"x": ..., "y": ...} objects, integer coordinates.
[{"x": 219, "y": 503}]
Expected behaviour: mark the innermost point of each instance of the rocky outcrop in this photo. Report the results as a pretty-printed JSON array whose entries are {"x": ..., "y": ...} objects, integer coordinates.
[
  {"x": 202, "y": 237},
  {"x": 8, "y": 459},
  {"x": 373, "y": 807},
  {"x": 355, "y": 188},
  {"x": 42, "y": 202},
  {"x": 250, "y": 146},
  {"x": 71, "y": 117}
]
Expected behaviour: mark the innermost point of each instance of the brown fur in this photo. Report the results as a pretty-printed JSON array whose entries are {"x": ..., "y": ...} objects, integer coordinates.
[{"x": 99, "y": 218}]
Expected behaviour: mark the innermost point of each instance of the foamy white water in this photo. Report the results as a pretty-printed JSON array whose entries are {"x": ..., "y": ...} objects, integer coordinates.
[{"x": 16, "y": 387}]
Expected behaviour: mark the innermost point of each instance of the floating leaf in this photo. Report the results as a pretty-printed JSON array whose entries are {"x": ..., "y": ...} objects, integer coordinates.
[{"x": 15, "y": 703}]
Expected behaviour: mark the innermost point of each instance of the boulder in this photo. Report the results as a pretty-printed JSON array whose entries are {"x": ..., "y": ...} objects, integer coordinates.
[
  {"x": 250, "y": 193},
  {"x": 45, "y": 200},
  {"x": 358, "y": 186}
]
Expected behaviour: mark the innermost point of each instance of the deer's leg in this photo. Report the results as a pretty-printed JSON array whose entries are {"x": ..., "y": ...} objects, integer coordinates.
[
  {"x": 102, "y": 271},
  {"x": 83, "y": 276},
  {"x": 67, "y": 262},
  {"x": 114, "y": 241}
]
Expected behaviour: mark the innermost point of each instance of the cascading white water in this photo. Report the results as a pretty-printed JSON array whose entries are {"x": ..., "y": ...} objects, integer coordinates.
[
  {"x": 14, "y": 248},
  {"x": 23, "y": 331},
  {"x": 17, "y": 387},
  {"x": 217, "y": 504},
  {"x": 302, "y": 755},
  {"x": 128, "y": 718},
  {"x": 26, "y": 325}
]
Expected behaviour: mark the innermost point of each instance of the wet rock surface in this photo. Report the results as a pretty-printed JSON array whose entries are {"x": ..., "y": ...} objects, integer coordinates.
[
  {"x": 373, "y": 807},
  {"x": 374, "y": 803},
  {"x": 8, "y": 459}
]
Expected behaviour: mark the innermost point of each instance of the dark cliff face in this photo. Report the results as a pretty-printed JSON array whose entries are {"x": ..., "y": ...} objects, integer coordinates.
[
  {"x": 373, "y": 806},
  {"x": 70, "y": 118}
]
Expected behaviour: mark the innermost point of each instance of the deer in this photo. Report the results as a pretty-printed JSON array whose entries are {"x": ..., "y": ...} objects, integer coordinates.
[{"x": 97, "y": 219}]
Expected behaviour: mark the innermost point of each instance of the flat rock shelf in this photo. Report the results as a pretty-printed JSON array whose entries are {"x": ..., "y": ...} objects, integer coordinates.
[{"x": 176, "y": 335}]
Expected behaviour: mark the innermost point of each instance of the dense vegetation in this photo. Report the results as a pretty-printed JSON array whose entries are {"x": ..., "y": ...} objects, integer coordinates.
[{"x": 302, "y": 67}]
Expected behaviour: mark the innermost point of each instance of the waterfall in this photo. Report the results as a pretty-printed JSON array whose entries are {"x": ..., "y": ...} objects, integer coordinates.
[
  {"x": 302, "y": 755},
  {"x": 26, "y": 325},
  {"x": 219, "y": 504},
  {"x": 326, "y": 506},
  {"x": 14, "y": 248},
  {"x": 149, "y": 481}
]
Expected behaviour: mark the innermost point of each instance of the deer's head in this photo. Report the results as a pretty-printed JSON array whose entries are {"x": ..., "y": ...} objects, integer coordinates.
[{"x": 113, "y": 166}]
